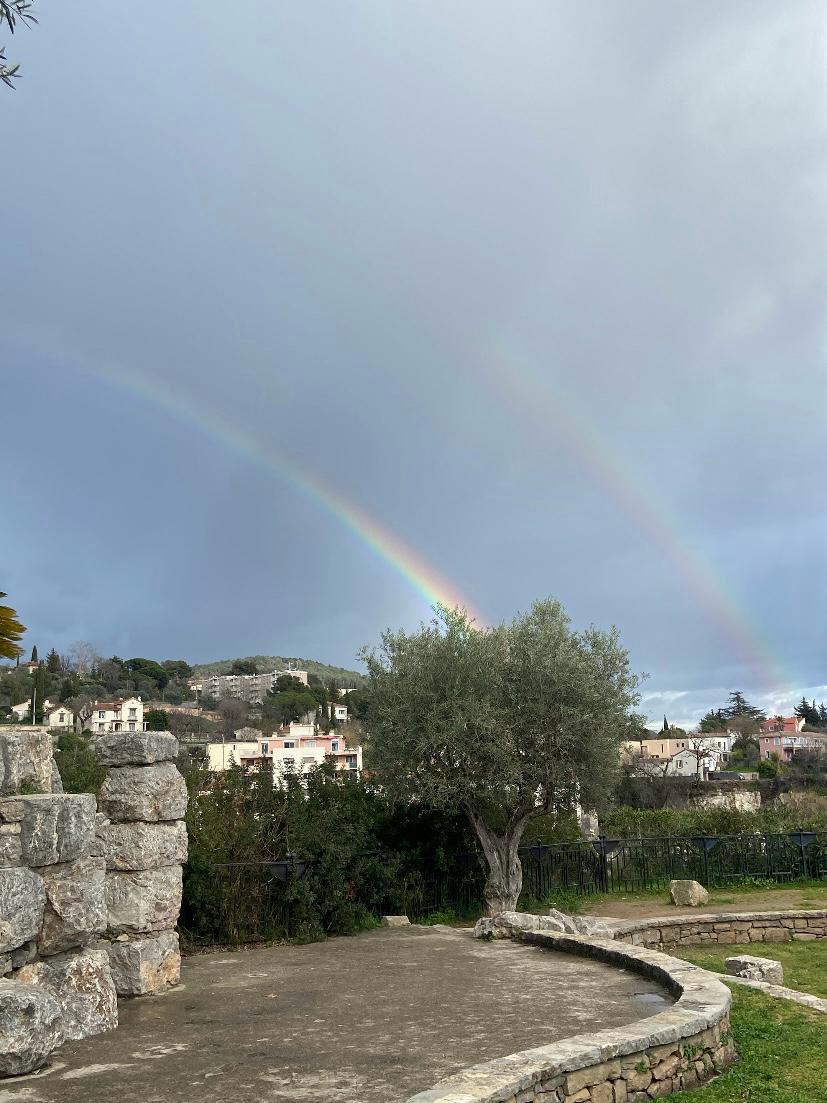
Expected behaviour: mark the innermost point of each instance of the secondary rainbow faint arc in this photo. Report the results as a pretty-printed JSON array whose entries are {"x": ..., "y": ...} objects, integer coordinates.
[
  {"x": 424, "y": 579},
  {"x": 651, "y": 514}
]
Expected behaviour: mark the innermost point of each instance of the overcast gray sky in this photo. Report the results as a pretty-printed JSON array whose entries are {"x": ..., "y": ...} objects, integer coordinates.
[{"x": 533, "y": 294}]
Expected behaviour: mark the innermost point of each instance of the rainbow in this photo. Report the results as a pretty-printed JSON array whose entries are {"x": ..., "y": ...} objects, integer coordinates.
[
  {"x": 412, "y": 567},
  {"x": 535, "y": 396}
]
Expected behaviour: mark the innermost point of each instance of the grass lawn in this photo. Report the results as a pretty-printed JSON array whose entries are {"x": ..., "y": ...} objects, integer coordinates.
[
  {"x": 783, "y": 1051},
  {"x": 754, "y": 896},
  {"x": 805, "y": 963}
]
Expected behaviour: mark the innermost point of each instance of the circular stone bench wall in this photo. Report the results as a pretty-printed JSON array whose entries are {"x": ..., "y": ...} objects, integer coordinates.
[
  {"x": 725, "y": 928},
  {"x": 672, "y": 1051}
]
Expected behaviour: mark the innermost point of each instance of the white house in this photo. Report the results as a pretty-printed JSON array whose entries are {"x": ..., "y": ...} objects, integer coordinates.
[
  {"x": 340, "y": 713},
  {"x": 59, "y": 716},
  {"x": 54, "y": 716},
  {"x": 115, "y": 716},
  {"x": 691, "y": 763}
]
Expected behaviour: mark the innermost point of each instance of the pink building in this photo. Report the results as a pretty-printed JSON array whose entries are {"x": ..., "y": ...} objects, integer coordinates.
[
  {"x": 789, "y": 724},
  {"x": 785, "y": 744}
]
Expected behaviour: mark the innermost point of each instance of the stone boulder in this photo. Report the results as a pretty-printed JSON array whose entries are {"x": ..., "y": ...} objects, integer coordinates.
[
  {"x": 136, "y": 845},
  {"x": 506, "y": 923},
  {"x": 30, "y": 1027},
  {"x": 688, "y": 894},
  {"x": 146, "y": 900},
  {"x": 75, "y": 912},
  {"x": 150, "y": 793},
  {"x": 593, "y": 927},
  {"x": 82, "y": 984},
  {"x": 43, "y": 828},
  {"x": 395, "y": 921},
  {"x": 136, "y": 748},
  {"x": 755, "y": 968},
  {"x": 22, "y": 900},
  {"x": 145, "y": 965},
  {"x": 25, "y": 760}
]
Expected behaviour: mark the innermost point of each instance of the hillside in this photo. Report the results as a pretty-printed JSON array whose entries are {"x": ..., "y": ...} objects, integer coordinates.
[{"x": 345, "y": 678}]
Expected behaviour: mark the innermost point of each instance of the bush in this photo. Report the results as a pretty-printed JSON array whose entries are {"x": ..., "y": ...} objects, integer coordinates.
[{"x": 76, "y": 763}]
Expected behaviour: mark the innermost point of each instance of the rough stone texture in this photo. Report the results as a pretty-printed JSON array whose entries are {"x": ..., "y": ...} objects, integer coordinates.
[
  {"x": 57, "y": 781},
  {"x": 145, "y": 965},
  {"x": 134, "y": 846},
  {"x": 150, "y": 793},
  {"x": 395, "y": 921},
  {"x": 145, "y": 900},
  {"x": 755, "y": 968},
  {"x": 75, "y": 912},
  {"x": 22, "y": 899},
  {"x": 25, "y": 759},
  {"x": 688, "y": 894},
  {"x": 30, "y": 1027},
  {"x": 44, "y": 828},
  {"x": 723, "y": 928},
  {"x": 136, "y": 748},
  {"x": 82, "y": 984}
]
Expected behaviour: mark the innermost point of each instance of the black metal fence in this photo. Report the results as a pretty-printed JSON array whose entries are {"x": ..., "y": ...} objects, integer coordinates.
[
  {"x": 634, "y": 865},
  {"x": 247, "y": 902}
]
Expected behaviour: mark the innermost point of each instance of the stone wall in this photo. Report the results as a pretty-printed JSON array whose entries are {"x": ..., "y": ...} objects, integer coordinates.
[
  {"x": 726, "y": 928},
  {"x": 88, "y": 900},
  {"x": 57, "y": 982},
  {"x": 143, "y": 841},
  {"x": 673, "y": 1051}
]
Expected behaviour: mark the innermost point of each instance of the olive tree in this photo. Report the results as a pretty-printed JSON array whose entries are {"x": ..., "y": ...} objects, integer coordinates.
[{"x": 506, "y": 723}]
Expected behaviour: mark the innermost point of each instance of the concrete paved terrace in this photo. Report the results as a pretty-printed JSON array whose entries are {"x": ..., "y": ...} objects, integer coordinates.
[{"x": 375, "y": 1017}]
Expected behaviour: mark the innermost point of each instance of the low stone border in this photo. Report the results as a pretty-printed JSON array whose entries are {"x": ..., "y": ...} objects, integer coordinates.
[
  {"x": 780, "y": 992},
  {"x": 723, "y": 927},
  {"x": 671, "y": 1051}
]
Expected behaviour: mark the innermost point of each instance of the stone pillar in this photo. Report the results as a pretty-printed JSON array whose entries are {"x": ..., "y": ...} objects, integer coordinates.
[
  {"x": 143, "y": 840},
  {"x": 52, "y": 910}
]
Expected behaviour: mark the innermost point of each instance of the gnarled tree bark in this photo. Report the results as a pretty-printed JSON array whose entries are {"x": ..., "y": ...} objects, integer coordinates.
[{"x": 504, "y": 881}]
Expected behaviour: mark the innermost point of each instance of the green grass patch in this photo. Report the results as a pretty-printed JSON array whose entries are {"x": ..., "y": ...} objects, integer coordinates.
[
  {"x": 805, "y": 963},
  {"x": 812, "y": 894},
  {"x": 783, "y": 1051}
]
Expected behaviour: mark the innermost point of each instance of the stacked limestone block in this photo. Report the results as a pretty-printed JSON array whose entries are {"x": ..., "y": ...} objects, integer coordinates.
[
  {"x": 143, "y": 840},
  {"x": 58, "y": 984}
]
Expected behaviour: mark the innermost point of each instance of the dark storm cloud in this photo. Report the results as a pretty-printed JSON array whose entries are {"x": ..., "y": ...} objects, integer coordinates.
[{"x": 395, "y": 241}]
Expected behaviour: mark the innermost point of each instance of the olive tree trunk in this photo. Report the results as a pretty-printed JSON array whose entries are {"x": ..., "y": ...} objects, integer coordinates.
[{"x": 504, "y": 882}]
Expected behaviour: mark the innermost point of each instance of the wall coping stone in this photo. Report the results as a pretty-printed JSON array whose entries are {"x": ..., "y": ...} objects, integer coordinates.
[{"x": 703, "y": 1001}]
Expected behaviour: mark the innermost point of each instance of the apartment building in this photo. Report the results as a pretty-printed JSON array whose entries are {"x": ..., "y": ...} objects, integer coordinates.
[
  {"x": 252, "y": 688},
  {"x": 295, "y": 749},
  {"x": 786, "y": 744}
]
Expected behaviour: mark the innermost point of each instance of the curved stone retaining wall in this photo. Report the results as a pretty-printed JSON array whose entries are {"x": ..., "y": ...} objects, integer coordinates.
[
  {"x": 674, "y": 1050},
  {"x": 726, "y": 928}
]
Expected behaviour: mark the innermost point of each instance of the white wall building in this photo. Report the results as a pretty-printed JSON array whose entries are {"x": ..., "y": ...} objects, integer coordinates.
[
  {"x": 252, "y": 688},
  {"x": 689, "y": 763},
  {"x": 120, "y": 715}
]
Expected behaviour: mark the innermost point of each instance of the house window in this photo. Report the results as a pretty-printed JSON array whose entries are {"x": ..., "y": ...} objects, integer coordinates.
[
  {"x": 101, "y": 715},
  {"x": 133, "y": 713},
  {"x": 131, "y": 726},
  {"x": 334, "y": 746},
  {"x": 118, "y": 727},
  {"x": 100, "y": 727},
  {"x": 289, "y": 744},
  {"x": 289, "y": 762},
  {"x": 264, "y": 748}
]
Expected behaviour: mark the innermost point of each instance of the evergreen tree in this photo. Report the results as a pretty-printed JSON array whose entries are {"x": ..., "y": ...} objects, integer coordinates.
[
  {"x": 38, "y": 695},
  {"x": 34, "y": 654},
  {"x": 822, "y": 715},
  {"x": 713, "y": 721},
  {"x": 665, "y": 727},
  {"x": 740, "y": 706},
  {"x": 53, "y": 662}
]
